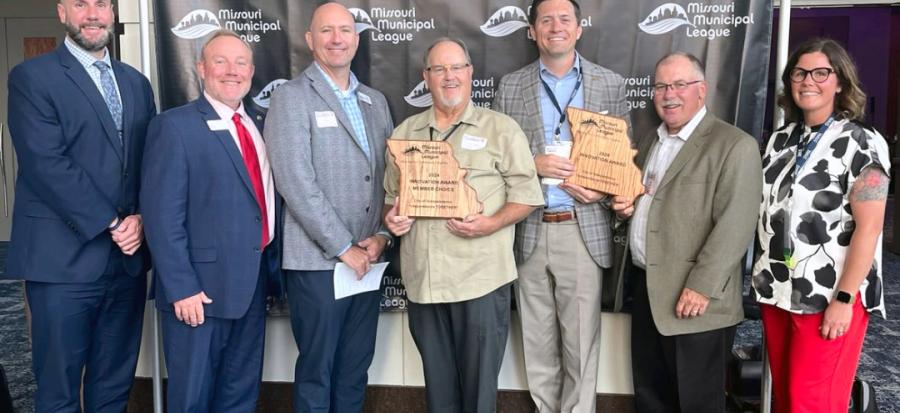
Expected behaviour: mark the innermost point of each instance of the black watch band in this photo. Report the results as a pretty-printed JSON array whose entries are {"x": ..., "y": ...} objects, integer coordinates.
[{"x": 844, "y": 297}]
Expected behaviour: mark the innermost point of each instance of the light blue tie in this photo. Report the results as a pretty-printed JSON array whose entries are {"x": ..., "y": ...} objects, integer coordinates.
[{"x": 110, "y": 95}]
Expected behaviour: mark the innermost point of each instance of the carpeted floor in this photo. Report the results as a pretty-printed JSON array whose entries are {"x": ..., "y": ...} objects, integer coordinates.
[{"x": 879, "y": 364}]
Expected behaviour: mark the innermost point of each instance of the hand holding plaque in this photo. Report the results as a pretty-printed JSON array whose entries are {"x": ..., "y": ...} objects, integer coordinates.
[
  {"x": 431, "y": 182},
  {"x": 601, "y": 151}
]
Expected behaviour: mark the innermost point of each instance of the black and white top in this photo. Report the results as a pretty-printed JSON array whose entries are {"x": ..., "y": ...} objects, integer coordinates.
[{"x": 816, "y": 209}]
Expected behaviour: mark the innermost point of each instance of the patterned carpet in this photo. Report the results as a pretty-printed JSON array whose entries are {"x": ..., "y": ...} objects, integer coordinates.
[{"x": 879, "y": 364}]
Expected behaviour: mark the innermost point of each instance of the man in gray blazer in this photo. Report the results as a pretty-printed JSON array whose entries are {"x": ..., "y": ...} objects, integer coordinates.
[
  {"x": 688, "y": 235},
  {"x": 325, "y": 135},
  {"x": 561, "y": 249}
]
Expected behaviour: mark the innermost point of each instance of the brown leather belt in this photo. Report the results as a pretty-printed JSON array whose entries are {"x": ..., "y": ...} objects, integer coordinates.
[{"x": 559, "y": 216}]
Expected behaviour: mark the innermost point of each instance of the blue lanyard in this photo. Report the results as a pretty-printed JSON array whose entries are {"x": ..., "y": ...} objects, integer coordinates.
[
  {"x": 804, "y": 151},
  {"x": 559, "y": 109}
]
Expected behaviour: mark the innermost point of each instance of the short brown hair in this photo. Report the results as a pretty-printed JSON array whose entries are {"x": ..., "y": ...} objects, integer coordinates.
[{"x": 849, "y": 104}]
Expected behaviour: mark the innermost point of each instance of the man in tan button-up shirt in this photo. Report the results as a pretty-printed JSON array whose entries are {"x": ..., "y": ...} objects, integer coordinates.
[{"x": 458, "y": 272}]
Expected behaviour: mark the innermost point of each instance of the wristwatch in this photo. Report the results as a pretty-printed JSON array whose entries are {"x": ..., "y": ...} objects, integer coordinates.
[{"x": 845, "y": 297}]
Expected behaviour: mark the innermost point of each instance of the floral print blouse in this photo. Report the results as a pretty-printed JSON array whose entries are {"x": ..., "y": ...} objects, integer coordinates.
[{"x": 815, "y": 208}]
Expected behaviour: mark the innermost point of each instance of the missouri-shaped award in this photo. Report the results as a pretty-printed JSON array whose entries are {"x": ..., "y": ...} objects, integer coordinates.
[
  {"x": 602, "y": 154},
  {"x": 431, "y": 182}
]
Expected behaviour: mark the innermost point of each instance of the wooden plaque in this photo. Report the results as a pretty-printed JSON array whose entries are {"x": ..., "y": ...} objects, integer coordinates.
[
  {"x": 431, "y": 182},
  {"x": 601, "y": 151}
]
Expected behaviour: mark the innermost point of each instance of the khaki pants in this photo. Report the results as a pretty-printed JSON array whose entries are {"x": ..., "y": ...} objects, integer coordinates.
[{"x": 558, "y": 298}]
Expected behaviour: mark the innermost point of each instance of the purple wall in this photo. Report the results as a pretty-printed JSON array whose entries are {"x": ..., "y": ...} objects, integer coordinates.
[{"x": 866, "y": 33}]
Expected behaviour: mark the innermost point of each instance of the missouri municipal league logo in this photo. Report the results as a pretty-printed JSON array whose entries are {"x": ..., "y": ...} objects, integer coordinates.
[
  {"x": 664, "y": 19},
  {"x": 700, "y": 19},
  {"x": 249, "y": 24},
  {"x": 505, "y": 21},
  {"x": 390, "y": 25},
  {"x": 262, "y": 99},
  {"x": 197, "y": 24},
  {"x": 361, "y": 20},
  {"x": 420, "y": 96}
]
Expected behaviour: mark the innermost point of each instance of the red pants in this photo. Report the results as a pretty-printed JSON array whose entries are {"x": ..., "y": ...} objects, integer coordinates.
[{"x": 809, "y": 373}]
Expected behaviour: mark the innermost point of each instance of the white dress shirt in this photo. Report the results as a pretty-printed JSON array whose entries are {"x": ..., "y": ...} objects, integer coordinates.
[
  {"x": 225, "y": 113},
  {"x": 661, "y": 156}
]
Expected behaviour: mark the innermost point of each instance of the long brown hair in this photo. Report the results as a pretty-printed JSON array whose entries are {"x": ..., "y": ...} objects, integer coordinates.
[{"x": 849, "y": 104}]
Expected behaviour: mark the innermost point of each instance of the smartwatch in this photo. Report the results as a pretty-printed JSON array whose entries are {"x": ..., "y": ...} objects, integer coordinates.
[{"x": 845, "y": 297}]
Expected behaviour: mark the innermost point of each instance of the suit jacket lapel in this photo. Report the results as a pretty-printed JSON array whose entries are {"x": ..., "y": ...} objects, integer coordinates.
[
  {"x": 368, "y": 120},
  {"x": 80, "y": 77},
  {"x": 690, "y": 150},
  {"x": 532, "y": 100},
  {"x": 126, "y": 96},
  {"x": 324, "y": 90},
  {"x": 224, "y": 137}
]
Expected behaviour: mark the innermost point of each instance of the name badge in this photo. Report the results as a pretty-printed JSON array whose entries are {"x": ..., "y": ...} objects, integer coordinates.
[
  {"x": 473, "y": 143},
  {"x": 326, "y": 119},
  {"x": 217, "y": 125},
  {"x": 364, "y": 97}
]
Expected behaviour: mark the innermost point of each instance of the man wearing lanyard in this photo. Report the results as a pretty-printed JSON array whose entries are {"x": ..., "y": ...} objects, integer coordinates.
[
  {"x": 562, "y": 249},
  {"x": 458, "y": 272}
]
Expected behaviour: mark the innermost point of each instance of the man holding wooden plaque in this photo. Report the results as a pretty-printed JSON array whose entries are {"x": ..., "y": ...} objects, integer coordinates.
[
  {"x": 563, "y": 248},
  {"x": 458, "y": 272}
]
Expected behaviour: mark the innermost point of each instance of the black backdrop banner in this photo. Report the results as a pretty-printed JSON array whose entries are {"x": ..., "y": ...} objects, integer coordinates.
[{"x": 732, "y": 38}]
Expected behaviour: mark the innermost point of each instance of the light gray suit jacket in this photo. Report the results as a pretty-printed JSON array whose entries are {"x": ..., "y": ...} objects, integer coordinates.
[
  {"x": 333, "y": 193},
  {"x": 519, "y": 97},
  {"x": 700, "y": 224}
]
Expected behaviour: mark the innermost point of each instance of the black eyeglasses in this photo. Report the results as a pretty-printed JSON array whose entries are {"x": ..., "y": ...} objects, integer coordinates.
[
  {"x": 819, "y": 74},
  {"x": 676, "y": 86},
  {"x": 440, "y": 70}
]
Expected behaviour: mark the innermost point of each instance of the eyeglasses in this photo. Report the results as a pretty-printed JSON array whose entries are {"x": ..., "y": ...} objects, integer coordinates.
[
  {"x": 819, "y": 74},
  {"x": 676, "y": 86},
  {"x": 440, "y": 70}
]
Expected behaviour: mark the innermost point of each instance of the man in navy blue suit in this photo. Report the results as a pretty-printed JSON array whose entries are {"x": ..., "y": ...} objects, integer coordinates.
[
  {"x": 78, "y": 121},
  {"x": 209, "y": 203}
]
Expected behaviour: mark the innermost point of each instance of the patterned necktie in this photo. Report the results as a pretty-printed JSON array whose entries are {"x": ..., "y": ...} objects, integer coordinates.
[
  {"x": 251, "y": 161},
  {"x": 110, "y": 95}
]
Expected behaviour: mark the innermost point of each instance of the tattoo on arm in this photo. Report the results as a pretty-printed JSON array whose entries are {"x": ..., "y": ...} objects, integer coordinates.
[{"x": 871, "y": 185}]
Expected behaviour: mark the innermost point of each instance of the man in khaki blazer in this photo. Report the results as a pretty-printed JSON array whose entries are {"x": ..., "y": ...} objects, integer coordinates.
[{"x": 688, "y": 235}]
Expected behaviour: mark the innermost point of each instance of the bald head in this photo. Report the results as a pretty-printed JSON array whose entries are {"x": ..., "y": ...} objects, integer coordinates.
[{"x": 332, "y": 38}]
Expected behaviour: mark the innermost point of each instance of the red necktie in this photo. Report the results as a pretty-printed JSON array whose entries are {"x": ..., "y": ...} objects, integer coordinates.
[{"x": 251, "y": 161}]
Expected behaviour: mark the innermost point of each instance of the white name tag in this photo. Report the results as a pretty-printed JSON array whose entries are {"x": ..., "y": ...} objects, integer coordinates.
[
  {"x": 473, "y": 143},
  {"x": 364, "y": 97},
  {"x": 219, "y": 124},
  {"x": 326, "y": 119}
]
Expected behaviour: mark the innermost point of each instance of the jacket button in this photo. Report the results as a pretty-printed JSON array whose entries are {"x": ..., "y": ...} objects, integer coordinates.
[
  {"x": 258, "y": 219},
  {"x": 367, "y": 209},
  {"x": 256, "y": 249},
  {"x": 368, "y": 178}
]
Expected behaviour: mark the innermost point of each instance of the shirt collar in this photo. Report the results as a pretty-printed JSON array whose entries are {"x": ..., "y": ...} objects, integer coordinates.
[
  {"x": 662, "y": 132},
  {"x": 574, "y": 71},
  {"x": 83, "y": 56},
  {"x": 351, "y": 90},
  {"x": 469, "y": 116},
  {"x": 224, "y": 111}
]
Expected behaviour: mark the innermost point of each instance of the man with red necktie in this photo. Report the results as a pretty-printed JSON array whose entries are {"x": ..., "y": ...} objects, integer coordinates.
[{"x": 210, "y": 223}]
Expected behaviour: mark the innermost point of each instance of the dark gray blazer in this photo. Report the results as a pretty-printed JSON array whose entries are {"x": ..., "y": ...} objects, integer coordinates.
[
  {"x": 333, "y": 193},
  {"x": 519, "y": 97}
]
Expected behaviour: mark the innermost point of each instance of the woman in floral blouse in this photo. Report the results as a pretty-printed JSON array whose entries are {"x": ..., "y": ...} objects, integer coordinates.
[{"x": 818, "y": 274}]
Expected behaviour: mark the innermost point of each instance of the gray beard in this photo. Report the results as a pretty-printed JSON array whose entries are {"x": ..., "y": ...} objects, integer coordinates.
[{"x": 75, "y": 35}]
